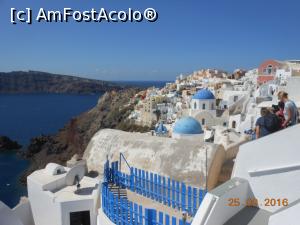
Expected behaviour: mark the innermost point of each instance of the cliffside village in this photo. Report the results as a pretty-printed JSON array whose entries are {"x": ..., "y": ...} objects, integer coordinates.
[
  {"x": 198, "y": 159},
  {"x": 216, "y": 99}
]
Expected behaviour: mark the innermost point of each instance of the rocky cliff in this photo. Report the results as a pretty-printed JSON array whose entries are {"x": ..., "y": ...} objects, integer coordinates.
[
  {"x": 111, "y": 111},
  {"x": 40, "y": 82}
]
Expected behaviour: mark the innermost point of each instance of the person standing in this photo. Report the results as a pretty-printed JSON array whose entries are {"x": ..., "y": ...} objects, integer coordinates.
[
  {"x": 280, "y": 113},
  {"x": 290, "y": 111},
  {"x": 268, "y": 123}
]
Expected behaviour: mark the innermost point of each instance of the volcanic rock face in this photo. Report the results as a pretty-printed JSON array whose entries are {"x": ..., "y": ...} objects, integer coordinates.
[
  {"x": 111, "y": 111},
  {"x": 40, "y": 82},
  {"x": 7, "y": 144}
]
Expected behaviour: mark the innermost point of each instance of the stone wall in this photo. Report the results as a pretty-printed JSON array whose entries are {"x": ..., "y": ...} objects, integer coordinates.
[{"x": 183, "y": 160}]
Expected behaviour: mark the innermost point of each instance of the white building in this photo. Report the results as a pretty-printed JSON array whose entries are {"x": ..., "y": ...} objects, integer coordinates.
[
  {"x": 264, "y": 186},
  {"x": 204, "y": 100},
  {"x": 56, "y": 200},
  {"x": 265, "y": 177},
  {"x": 203, "y": 107},
  {"x": 230, "y": 97},
  {"x": 283, "y": 74},
  {"x": 246, "y": 118}
]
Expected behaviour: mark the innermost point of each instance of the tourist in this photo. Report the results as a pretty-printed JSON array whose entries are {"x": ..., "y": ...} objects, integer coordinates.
[
  {"x": 279, "y": 111},
  {"x": 268, "y": 123},
  {"x": 290, "y": 111}
]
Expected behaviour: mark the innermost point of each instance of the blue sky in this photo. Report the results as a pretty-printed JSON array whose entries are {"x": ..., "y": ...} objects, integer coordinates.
[{"x": 188, "y": 35}]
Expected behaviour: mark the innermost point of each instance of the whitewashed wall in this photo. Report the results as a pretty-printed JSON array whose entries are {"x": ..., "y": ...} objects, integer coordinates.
[{"x": 272, "y": 166}]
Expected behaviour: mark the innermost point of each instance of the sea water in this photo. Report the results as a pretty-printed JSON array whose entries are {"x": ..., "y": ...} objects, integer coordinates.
[{"x": 25, "y": 116}]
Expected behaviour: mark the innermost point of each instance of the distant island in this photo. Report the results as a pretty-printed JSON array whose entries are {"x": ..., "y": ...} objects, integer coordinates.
[
  {"x": 42, "y": 82},
  {"x": 6, "y": 144}
]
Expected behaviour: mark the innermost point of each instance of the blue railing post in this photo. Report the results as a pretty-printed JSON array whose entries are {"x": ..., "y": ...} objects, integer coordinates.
[
  {"x": 114, "y": 172},
  {"x": 169, "y": 192},
  {"x": 200, "y": 197},
  {"x": 177, "y": 194},
  {"x": 189, "y": 200},
  {"x": 147, "y": 215},
  {"x": 136, "y": 179},
  {"x": 159, "y": 189},
  {"x": 161, "y": 218},
  {"x": 151, "y": 186},
  {"x": 173, "y": 194},
  {"x": 164, "y": 194},
  {"x": 167, "y": 219},
  {"x": 173, "y": 220},
  {"x": 106, "y": 172},
  {"x": 140, "y": 182},
  {"x": 121, "y": 211},
  {"x": 127, "y": 212},
  {"x": 131, "y": 212},
  {"x": 147, "y": 185},
  {"x": 116, "y": 209},
  {"x": 111, "y": 210},
  {"x": 183, "y": 197},
  {"x": 155, "y": 187},
  {"x": 136, "y": 214},
  {"x": 150, "y": 217},
  {"x": 143, "y": 183},
  {"x": 194, "y": 201},
  {"x": 141, "y": 217}
]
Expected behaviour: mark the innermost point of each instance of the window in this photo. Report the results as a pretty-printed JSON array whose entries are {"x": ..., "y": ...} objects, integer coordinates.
[
  {"x": 203, "y": 121},
  {"x": 203, "y": 106},
  {"x": 195, "y": 105},
  {"x": 269, "y": 69},
  {"x": 235, "y": 98},
  {"x": 212, "y": 106},
  {"x": 224, "y": 124},
  {"x": 233, "y": 124},
  {"x": 265, "y": 71}
]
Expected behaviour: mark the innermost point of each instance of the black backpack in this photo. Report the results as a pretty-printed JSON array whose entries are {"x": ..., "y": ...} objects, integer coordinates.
[{"x": 272, "y": 122}]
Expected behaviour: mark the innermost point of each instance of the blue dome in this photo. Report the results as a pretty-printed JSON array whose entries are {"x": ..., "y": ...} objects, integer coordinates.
[
  {"x": 187, "y": 125},
  {"x": 204, "y": 94}
]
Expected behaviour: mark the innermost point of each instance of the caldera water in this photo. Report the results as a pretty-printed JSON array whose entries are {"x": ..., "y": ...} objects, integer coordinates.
[{"x": 24, "y": 116}]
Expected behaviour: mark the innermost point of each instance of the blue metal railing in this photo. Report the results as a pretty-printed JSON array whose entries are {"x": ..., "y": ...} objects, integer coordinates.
[
  {"x": 123, "y": 157},
  {"x": 123, "y": 212},
  {"x": 162, "y": 189}
]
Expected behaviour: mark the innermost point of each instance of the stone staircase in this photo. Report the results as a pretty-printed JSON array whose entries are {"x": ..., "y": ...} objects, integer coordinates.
[{"x": 120, "y": 193}]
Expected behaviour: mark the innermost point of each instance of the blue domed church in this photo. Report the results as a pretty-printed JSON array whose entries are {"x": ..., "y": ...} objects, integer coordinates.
[
  {"x": 203, "y": 100},
  {"x": 187, "y": 127},
  {"x": 203, "y": 107}
]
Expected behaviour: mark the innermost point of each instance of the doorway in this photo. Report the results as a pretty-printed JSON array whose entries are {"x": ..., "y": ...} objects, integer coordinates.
[{"x": 80, "y": 218}]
